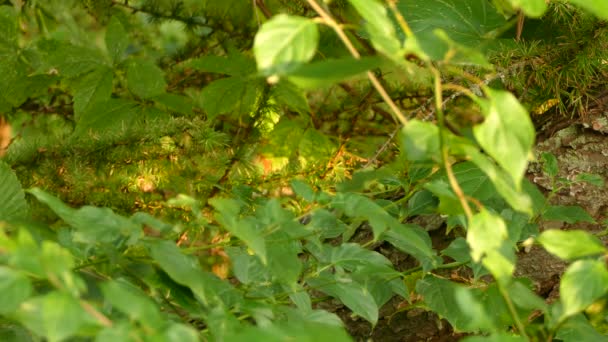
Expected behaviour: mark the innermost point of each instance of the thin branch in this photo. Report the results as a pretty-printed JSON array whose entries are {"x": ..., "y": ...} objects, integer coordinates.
[
  {"x": 328, "y": 20},
  {"x": 444, "y": 151}
]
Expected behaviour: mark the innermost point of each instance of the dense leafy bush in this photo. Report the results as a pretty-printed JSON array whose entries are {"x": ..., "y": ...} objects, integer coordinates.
[{"x": 209, "y": 170}]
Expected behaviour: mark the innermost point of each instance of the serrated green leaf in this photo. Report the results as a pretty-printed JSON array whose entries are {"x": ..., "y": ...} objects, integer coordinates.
[
  {"x": 303, "y": 190},
  {"x": 488, "y": 239},
  {"x": 383, "y": 282},
  {"x": 55, "y": 315},
  {"x": 441, "y": 296},
  {"x": 356, "y": 205},
  {"x": 231, "y": 65},
  {"x": 95, "y": 86},
  {"x": 549, "y": 164},
  {"x": 285, "y": 42},
  {"x": 302, "y": 330},
  {"x": 572, "y": 244},
  {"x": 67, "y": 59},
  {"x": 578, "y": 328},
  {"x": 469, "y": 22},
  {"x": 519, "y": 201},
  {"x": 584, "y": 282},
  {"x": 245, "y": 229},
  {"x": 106, "y": 116},
  {"x": 567, "y": 213},
  {"x": 597, "y": 7},
  {"x": 14, "y": 83},
  {"x": 174, "y": 102},
  {"x": 57, "y": 263},
  {"x": 590, "y": 178},
  {"x": 12, "y": 198},
  {"x": 145, "y": 79},
  {"x": 349, "y": 255},
  {"x": 354, "y": 295},
  {"x": 133, "y": 302},
  {"x": 420, "y": 141},
  {"x": 379, "y": 26},
  {"x": 415, "y": 241},
  {"x": 247, "y": 268},
  {"x": 116, "y": 39},
  {"x": 326, "y": 224},
  {"x": 92, "y": 224},
  {"x": 229, "y": 94},
  {"x": 315, "y": 147},
  {"x": 8, "y": 29},
  {"x": 507, "y": 133},
  {"x": 331, "y": 71},
  {"x": 181, "y": 333},
  {"x": 15, "y": 288},
  {"x": 496, "y": 337},
  {"x": 185, "y": 270},
  {"x": 291, "y": 96},
  {"x": 283, "y": 260}
]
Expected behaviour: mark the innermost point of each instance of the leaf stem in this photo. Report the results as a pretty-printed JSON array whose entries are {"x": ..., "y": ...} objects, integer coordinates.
[
  {"x": 328, "y": 20},
  {"x": 444, "y": 151}
]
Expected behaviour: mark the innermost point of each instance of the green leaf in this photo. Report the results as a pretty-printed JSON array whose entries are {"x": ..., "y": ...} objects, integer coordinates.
[
  {"x": 181, "y": 333},
  {"x": 507, "y": 133},
  {"x": 232, "y": 65},
  {"x": 590, "y": 178},
  {"x": 326, "y": 224},
  {"x": 532, "y": 8},
  {"x": 174, "y": 102},
  {"x": 331, "y": 71},
  {"x": 420, "y": 141},
  {"x": 145, "y": 79},
  {"x": 15, "y": 288},
  {"x": 67, "y": 59},
  {"x": 12, "y": 198},
  {"x": 584, "y": 282},
  {"x": 360, "y": 206},
  {"x": 473, "y": 23},
  {"x": 488, "y": 238},
  {"x": 8, "y": 29},
  {"x": 290, "y": 96},
  {"x": 572, "y": 244},
  {"x": 133, "y": 302},
  {"x": 379, "y": 26},
  {"x": 383, "y": 282},
  {"x": 578, "y": 328},
  {"x": 56, "y": 315},
  {"x": 567, "y": 213},
  {"x": 348, "y": 255},
  {"x": 549, "y": 164},
  {"x": 245, "y": 229},
  {"x": 303, "y": 190},
  {"x": 496, "y": 337},
  {"x": 58, "y": 263},
  {"x": 283, "y": 260},
  {"x": 315, "y": 147},
  {"x": 442, "y": 297},
  {"x": 597, "y": 7},
  {"x": 117, "y": 40},
  {"x": 92, "y": 224},
  {"x": 284, "y": 42},
  {"x": 107, "y": 116},
  {"x": 229, "y": 94},
  {"x": 354, "y": 295},
  {"x": 415, "y": 241},
  {"x": 185, "y": 270},
  {"x": 95, "y": 86},
  {"x": 519, "y": 201}
]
